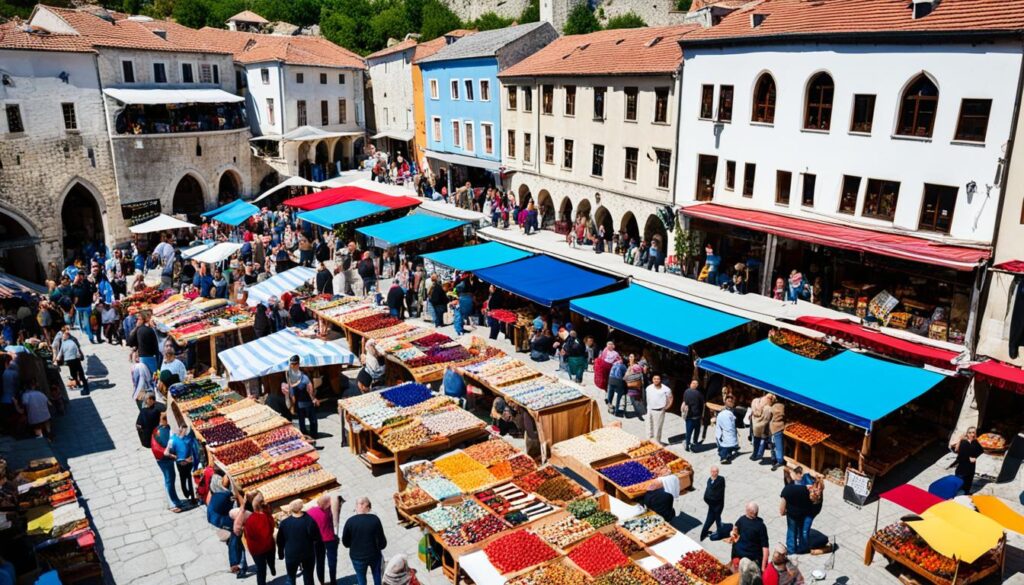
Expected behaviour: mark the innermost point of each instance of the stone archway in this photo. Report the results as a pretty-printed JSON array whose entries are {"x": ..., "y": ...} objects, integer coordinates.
[
  {"x": 18, "y": 252},
  {"x": 339, "y": 152},
  {"x": 188, "y": 198},
  {"x": 629, "y": 225},
  {"x": 524, "y": 195},
  {"x": 81, "y": 223},
  {"x": 321, "y": 153},
  {"x": 565, "y": 212},
  {"x": 229, "y": 188},
  {"x": 583, "y": 210},
  {"x": 546, "y": 209},
  {"x": 654, "y": 228},
  {"x": 603, "y": 218}
]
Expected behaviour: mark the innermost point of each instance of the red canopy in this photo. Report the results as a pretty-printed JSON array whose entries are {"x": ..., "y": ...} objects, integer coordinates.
[
  {"x": 845, "y": 237},
  {"x": 1015, "y": 266},
  {"x": 349, "y": 193},
  {"x": 880, "y": 342},
  {"x": 1001, "y": 375},
  {"x": 911, "y": 497}
]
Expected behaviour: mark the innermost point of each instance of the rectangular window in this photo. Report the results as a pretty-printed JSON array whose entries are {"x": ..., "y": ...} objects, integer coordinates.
[
  {"x": 848, "y": 195},
  {"x": 527, "y": 99},
  {"x": 597, "y": 164},
  {"x": 14, "y": 123},
  {"x": 660, "y": 105},
  {"x": 159, "y": 73},
  {"x": 725, "y": 103},
  {"x": 783, "y": 186},
  {"x": 631, "y": 97},
  {"x": 186, "y": 73},
  {"x": 341, "y": 79},
  {"x": 300, "y": 78},
  {"x": 513, "y": 97},
  {"x": 547, "y": 99},
  {"x": 880, "y": 199},
  {"x": 570, "y": 100},
  {"x": 240, "y": 81},
  {"x": 323, "y": 79},
  {"x": 510, "y": 144},
  {"x": 343, "y": 112},
  {"x": 937, "y": 209},
  {"x": 549, "y": 150},
  {"x": 973, "y": 123},
  {"x": 70, "y": 120},
  {"x": 469, "y": 90},
  {"x": 863, "y": 113},
  {"x": 454, "y": 91},
  {"x": 301, "y": 109},
  {"x": 631, "y": 159},
  {"x": 707, "y": 102},
  {"x": 456, "y": 133},
  {"x": 749, "y": 170},
  {"x": 325, "y": 118},
  {"x": 730, "y": 175},
  {"x": 128, "y": 71},
  {"x": 436, "y": 128},
  {"x": 206, "y": 73},
  {"x": 488, "y": 131},
  {"x": 470, "y": 137},
  {"x": 664, "y": 168},
  {"x": 216, "y": 74},
  {"x": 599, "y": 93},
  {"x": 707, "y": 174},
  {"x": 265, "y": 76},
  {"x": 807, "y": 194},
  {"x": 567, "y": 152},
  {"x": 485, "y": 90},
  {"x": 434, "y": 93},
  {"x": 270, "y": 110},
  {"x": 527, "y": 147}
]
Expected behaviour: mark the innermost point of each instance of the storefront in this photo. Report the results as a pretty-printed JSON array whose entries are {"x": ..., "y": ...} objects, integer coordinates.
[{"x": 459, "y": 169}]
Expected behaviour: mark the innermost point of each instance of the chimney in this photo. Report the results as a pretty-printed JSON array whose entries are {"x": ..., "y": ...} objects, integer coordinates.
[
  {"x": 922, "y": 8},
  {"x": 756, "y": 19},
  {"x": 160, "y": 33}
]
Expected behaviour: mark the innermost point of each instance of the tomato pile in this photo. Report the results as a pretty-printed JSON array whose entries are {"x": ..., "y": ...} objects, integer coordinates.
[
  {"x": 597, "y": 555},
  {"x": 705, "y": 566},
  {"x": 517, "y": 551}
]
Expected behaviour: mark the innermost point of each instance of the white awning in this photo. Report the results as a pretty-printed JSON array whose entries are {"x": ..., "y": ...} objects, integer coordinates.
[
  {"x": 467, "y": 161},
  {"x": 218, "y": 253},
  {"x": 171, "y": 96},
  {"x": 289, "y": 182},
  {"x": 192, "y": 251},
  {"x": 160, "y": 223},
  {"x": 392, "y": 190},
  {"x": 403, "y": 135},
  {"x": 306, "y": 133}
]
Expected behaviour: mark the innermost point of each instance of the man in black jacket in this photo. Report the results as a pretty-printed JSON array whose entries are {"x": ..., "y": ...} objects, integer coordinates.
[
  {"x": 438, "y": 299},
  {"x": 297, "y": 536},
  {"x": 396, "y": 300},
  {"x": 364, "y": 538},
  {"x": 714, "y": 497}
]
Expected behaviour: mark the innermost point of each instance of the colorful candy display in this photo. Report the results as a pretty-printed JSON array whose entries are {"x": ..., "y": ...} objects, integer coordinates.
[
  {"x": 704, "y": 566},
  {"x": 648, "y": 528},
  {"x": 541, "y": 393},
  {"x": 628, "y": 575},
  {"x": 564, "y": 532},
  {"x": 551, "y": 574},
  {"x": 627, "y": 473},
  {"x": 518, "y": 550},
  {"x": 597, "y": 555},
  {"x": 405, "y": 395}
]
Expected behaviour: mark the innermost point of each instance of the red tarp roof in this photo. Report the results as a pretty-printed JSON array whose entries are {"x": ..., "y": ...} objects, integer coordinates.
[
  {"x": 1015, "y": 266},
  {"x": 1001, "y": 375},
  {"x": 349, "y": 193},
  {"x": 845, "y": 237},
  {"x": 880, "y": 342},
  {"x": 911, "y": 497}
]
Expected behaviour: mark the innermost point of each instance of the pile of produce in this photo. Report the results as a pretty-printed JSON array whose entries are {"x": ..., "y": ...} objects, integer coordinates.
[
  {"x": 295, "y": 482},
  {"x": 599, "y": 444},
  {"x": 627, "y": 473},
  {"x": 701, "y": 564},
  {"x": 628, "y": 575},
  {"x": 404, "y": 395},
  {"x": 598, "y": 555},
  {"x": 444, "y": 517},
  {"x": 669, "y": 575},
  {"x": 474, "y": 531},
  {"x": 373, "y": 323},
  {"x": 565, "y": 532},
  {"x": 275, "y": 469},
  {"x": 906, "y": 542},
  {"x": 491, "y": 452},
  {"x": 517, "y": 551},
  {"x": 541, "y": 393},
  {"x": 551, "y": 574},
  {"x": 414, "y": 497}
]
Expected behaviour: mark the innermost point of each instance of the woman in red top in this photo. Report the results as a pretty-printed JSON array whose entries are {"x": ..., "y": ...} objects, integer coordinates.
[{"x": 257, "y": 528}]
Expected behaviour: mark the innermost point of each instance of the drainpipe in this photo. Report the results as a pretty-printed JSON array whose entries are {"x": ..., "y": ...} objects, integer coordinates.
[{"x": 679, "y": 127}]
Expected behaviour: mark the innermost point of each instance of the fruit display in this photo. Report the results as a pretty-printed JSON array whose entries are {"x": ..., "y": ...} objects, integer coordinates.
[
  {"x": 601, "y": 518},
  {"x": 474, "y": 531},
  {"x": 522, "y": 464},
  {"x": 557, "y": 573},
  {"x": 440, "y": 355},
  {"x": 704, "y": 566},
  {"x": 805, "y": 433},
  {"x": 222, "y": 434},
  {"x": 599, "y": 444},
  {"x": 518, "y": 550},
  {"x": 372, "y": 323},
  {"x": 492, "y": 451},
  {"x": 456, "y": 463},
  {"x": 800, "y": 345},
  {"x": 541, "y": 393},
  {"x": 627, "y": 473},
  {"x": 532, "y": 481},
  {"x": 430, "y": 340},
  {"x": 598, "y": 555},
  {"x": 992, "y": 442},
  {"x": 582, "y": 508},
  {"x": 628, "y": 575},
  {"x": 277, "y": 436},
  {"x": 648, "y": 528},
  {"x": 501, "y": 471},
  {"x": 626, "y": 544},
  {"x": 388, "y": 332},
  {"x": 902, "y": 539},
  {"x": 503, "y": 315},
  {"x": 642, "y": 450},
  {"x": 564, "y": 532},
  {"x": 404, "y": 395},
  {"x": 669, "y": 575},
  {"x": 414, "y": 497},
  {"x": 324, "y": 302},
  {"x": 444, "y": 517},
  {"x": 237, "y": 451},
  {"x": 274, "y": 469},
  {"x": 502, "y": 371},
  {"x": 190, "y": 391},
  {"x": 295, "y": 482}
]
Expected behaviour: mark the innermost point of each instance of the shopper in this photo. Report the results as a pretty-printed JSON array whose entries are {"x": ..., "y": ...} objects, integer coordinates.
[
  {"x": 693, "y": 401},
  {"x": 158, "y": 445},
  {"x": 173, "y": 365},
  {"x": 37, "y": 411},
  {"x": 184, "y": 450},
  {"x": 781, "y": 571},
  {"x": 297, "y": 536},
  {"x": 453, "y": 383},
  {"x": 142, "y": 380},
  {"x": 69, "y": 353},
  {"x": 364, "y": 537},
  {"x": 399, "y": 573},
  {"x": 659, "y": 400},
  {"x": 760, "y": 415},
  {"x": 967, "y": 452},
  {"x": 635, "y": 384},
  {"x": 148, "y": 419},
  {"x": 714, "y": 497},
  {"x": 325, "y": 513},
  {"x": 751, "y": 537},
  {"x": 143, "y": 339},
  {"x": 616, "y": 387},
  {"x": 438, "y": 300},
  {"x": 603, "y": 365},
  {"x": 372, "y": 371},
  {"x": 257, "y": 526},
  {"x": 575, "y": 357},
  {"x": 796, "y": 506},
  {"x": 776, "y": 426},
  {"x": 303, "y": 396},
  {"x": 726, "y": 435}
]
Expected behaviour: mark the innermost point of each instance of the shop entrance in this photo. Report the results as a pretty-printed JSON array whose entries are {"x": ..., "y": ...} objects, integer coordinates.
[
  {"x": 18, "y": 254},
  {"x": 82, "y": 223},
  {"x": 188, "y": 198},
  {"x": 630, "y": 228},
  {"x": 707, "y": 169},
  {"x": 546, "y": 209},
  {"x": 228, "y": 188}
]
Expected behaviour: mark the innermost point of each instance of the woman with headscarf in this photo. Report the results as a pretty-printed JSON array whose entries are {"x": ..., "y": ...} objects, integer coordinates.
[
  {"x": 398, "y": 572},
  {"x": 603, "y": 364},
  {"x": 372, "y": 371}
]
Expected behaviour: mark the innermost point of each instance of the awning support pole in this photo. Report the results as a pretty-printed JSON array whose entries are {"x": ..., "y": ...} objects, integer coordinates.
[
  {"x": 770, "y": 244},
  {"x": 970, "y": 340}
]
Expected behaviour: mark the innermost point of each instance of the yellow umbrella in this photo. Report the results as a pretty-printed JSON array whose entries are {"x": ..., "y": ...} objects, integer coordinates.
[
  {"x": 957, "y": 532},
  {"x": 996, "y": 509}
]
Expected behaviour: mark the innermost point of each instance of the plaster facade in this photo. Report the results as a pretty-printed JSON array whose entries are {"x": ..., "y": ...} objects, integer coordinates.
[{"x": 392, "y": 85}]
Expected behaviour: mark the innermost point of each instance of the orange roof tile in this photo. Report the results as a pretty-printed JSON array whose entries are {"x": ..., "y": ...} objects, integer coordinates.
[
  {"x": 122, "y": 32},
  {"x": 13, "y": 36},
  {"x": 249, "y": 16},
  {"x": 636, "y": 51},
  {"x": 395, "y": 48},
  {"x": 820, "y": 18},
  {"x": 424, "y": 50},
  {"x": 293, "y": 50}
]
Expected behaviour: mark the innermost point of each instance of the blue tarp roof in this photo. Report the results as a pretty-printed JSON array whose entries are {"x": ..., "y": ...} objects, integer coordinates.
[
  {"x": 470, "y": 258},
  {"x": 408, "y": 229},
  {"x": 544, "y": 280},
  {"x": 236, "y": 214},
  {"x": 332, "y": 215},
  {"x": 222, "y": 208},
  {"x": 851, "y": 387},
  {"x": 658, "y": 318}
]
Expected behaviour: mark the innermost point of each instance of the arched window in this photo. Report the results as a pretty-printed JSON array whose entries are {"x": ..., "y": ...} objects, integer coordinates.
[
  {"x": 819, "y": 102},
  {"x": 764, "y": 100},
  {"x": 917, "y": 108}
]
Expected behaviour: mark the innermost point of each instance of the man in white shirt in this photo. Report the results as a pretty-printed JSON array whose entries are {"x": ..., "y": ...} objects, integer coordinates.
[
  {"x": 173, "y": 365},
  {"x": 165, "y": 252},
  {"x": 659, "y": 399}
]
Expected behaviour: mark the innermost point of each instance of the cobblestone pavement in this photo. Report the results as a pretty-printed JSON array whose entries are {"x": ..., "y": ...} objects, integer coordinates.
[{"x": 144, "y": 543}]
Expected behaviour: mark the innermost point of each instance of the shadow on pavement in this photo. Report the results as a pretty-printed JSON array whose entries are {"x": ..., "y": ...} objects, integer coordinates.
[{"x": 80, "y": 431}]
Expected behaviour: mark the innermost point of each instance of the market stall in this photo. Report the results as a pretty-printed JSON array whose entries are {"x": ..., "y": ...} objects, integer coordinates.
[
  {"x": 271, "y": 354},
  {"x": 233, "y": 213},
  {"x": 414, "y": 228},
  {"x": 476, "y": 257},
  {"x": 350, "y": 193},
  {"x": 339, "y": 213},
  {"x": 832, "y": 382},
  {"x": 160, "y": 223},
  {"x": 218, "y": 253},
  {"x": 193, "y": 321},
  {"x": 291, "y": 280}
]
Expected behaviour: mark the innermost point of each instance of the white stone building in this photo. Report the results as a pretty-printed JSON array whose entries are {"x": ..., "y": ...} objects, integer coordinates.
[
  {"x": 589, "y": 129},
  {"x": 391, "y": 85},
  {"x": 849, "y": 160}
]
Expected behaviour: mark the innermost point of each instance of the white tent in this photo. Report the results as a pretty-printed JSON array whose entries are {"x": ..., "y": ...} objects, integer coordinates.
[
  {"x": 289, "y": 182},
  {"x": 221, "y": 251},
  {"x": 160, "y": 223},
  {"x": 190, "y": 252}
]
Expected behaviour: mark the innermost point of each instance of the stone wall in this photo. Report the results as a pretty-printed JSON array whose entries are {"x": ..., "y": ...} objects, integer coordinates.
[{"x": 654, "y": 12}]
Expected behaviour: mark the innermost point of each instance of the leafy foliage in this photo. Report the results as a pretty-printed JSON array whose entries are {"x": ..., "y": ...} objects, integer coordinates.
[
  {"x": 683, "y": 5},
  {"x": 531, "y": 13},
  {"x": 437, "y": 20},
  {"x": 627, "y": 20},
  {"x": 581, "y": 21},
  {"x": 491, "y": 21},
  {"x": 193, "y": 13}
]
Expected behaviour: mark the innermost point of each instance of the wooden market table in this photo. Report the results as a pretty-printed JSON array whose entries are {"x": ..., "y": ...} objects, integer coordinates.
[
  {"x": 991, "y": 563},
  {"x": 396, "y": 372},
  {"x": 241, "y": 335}
]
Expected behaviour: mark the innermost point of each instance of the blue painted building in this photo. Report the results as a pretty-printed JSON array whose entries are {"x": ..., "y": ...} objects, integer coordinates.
[{"x": 462, "y": 101}]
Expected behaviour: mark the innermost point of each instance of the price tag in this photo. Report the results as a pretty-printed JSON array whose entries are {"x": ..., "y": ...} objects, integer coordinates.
[{"x": 857, "y": 487}]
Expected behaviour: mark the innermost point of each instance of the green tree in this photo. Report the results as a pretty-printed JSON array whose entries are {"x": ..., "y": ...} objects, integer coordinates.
[
  {"x": 221, "y": 10},
  {"x": 581, "y": 21},
  {"x": 437, "y": 20},
  {"x": 191, "y": 13},
  {"x": 158, "y": 9},
  {"x": 19, "y": 8},
  {"x": 302, "y": 12},
  {"x": 627, "y": 20},
  {"x": 683, "y": 5},
  {"x": 531, "y": 13},
  {"x": 391, "y": 23},
  {"x": 490, "y": 21},
  {"x": 341, "y": 29},
  {"x": 414, "y": 13}
]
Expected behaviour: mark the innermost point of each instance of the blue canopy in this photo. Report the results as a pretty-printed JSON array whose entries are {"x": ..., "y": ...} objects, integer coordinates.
[
  {"x": 544, "y": 280},
  {"x": 849, "y": 386},
  {"x": 332, "y": 215},
  {"x": 658, "y": 318},
  {"x": 408, "y": 229},
  {"x": 470, "y": 258},
  {"x": 236, "y": 214},
  {"x": 222, "y": 208}
]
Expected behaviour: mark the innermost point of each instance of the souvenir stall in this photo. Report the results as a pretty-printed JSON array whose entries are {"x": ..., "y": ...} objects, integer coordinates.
[
  {"x": 416, "y": 234},
  {"x": 471, "y": 258},
  {"x": 332, "y": 216},
  {"x": 232, "y": 214},
  {"x": 835, "y": 418},
  {"x": 351, "y": 193},
  {"x": 194, "y": 321},
  {"x": 294, "y": 280},
  {"x": 999, "y": 388}
]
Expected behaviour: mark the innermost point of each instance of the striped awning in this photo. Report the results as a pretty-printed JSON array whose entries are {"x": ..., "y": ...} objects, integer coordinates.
[
  {"x": 270, "y": 354},
  {"x": 277, "y": 285},
  {"x": 12, "y": 286}
]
